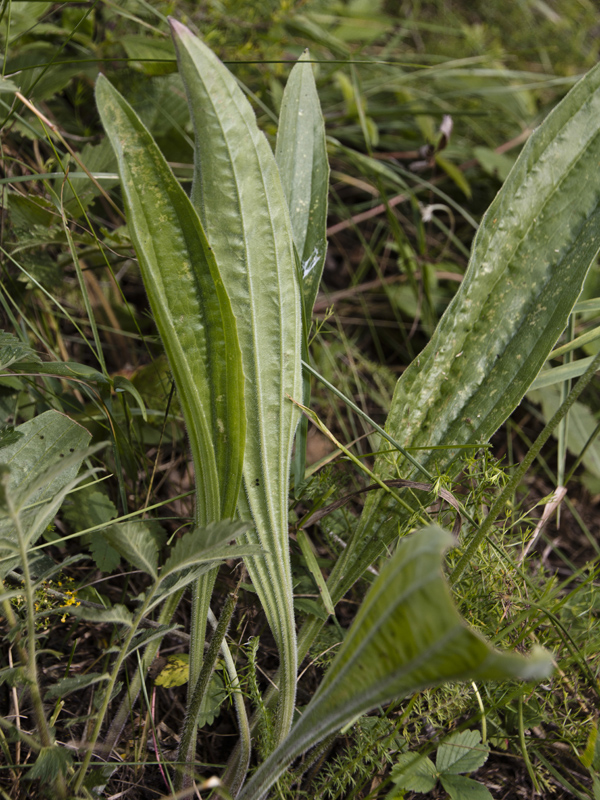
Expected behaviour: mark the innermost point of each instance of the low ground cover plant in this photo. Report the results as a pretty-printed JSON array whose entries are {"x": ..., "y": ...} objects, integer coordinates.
[{"x": 231, "y": 271}]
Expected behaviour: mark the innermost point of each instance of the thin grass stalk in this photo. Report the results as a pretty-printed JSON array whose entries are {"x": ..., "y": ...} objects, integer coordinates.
[
  {"x": 187, "y": 745},
  {"x": 28, "y": 655}
]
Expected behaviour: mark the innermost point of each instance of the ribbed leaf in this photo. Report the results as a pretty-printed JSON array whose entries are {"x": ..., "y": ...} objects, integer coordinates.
[
  {"x": 189, "y": 303},
  {"x": 237, "y": 191},
  {"x": 301, "y": 155},
  {"x": 406, "y": 636},
  {"x": 529, "y": 260}
]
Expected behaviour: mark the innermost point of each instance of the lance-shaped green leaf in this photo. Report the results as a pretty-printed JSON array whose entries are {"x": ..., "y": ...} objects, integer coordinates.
[
  {"x": 301, "y": 155},
  {"x": 237, "y": 191},
  {"x": 529, "y": 260},
  {"x": 189, "y": 303},
  {"x": 42, "y": 462},
  {"x": 204, "y": 544},
  {"x": 406, "y": 636}
]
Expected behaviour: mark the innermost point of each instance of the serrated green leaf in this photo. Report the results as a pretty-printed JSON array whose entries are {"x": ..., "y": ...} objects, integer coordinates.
[
  {"x": 175, "y": 672},
  {"x": 406, "y": 636},
  {"x": 89, "y": 507},
  {"x": 66, "y": 686},
  {"x": 105, "y": 556},
  {"x": 202, "y": 544},
  {"x": 462, "y": 752},
  {"x": 461, "y": 788},
  {"x": 135, "y": 541},
  {"x": 308, "y": 606},
  {"x": 414, "y": 773},
  {"x": 117, "y": 614},
  {"x": 50, "y": 763},
  {"x": 238, "y": 193},
  {"x": 301, "y": 155},
  {"x": 189, "y": 303},
  {"x": 587, "y": 757}
]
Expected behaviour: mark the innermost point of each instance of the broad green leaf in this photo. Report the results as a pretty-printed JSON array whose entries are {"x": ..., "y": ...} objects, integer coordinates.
[
  {"x": 461, "y": 788},
  {"x": 301, "y": 155},
  {"x": 135, "y": 541},
  {"x": 415, "y": 773},
  {"x": 529, "y": 260},
  {"x": 406, "y": 636},
  {"x": 43, "y": 461},
  {"x": 462, "y": 752},
  {"x": 189, "y": 303},
  {"x": 238, "y": 193},
  {"x": 203, "y": 544}
]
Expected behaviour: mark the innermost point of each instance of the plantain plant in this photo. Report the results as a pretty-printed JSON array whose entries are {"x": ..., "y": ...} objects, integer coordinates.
[{"x": 231, "y": 273}]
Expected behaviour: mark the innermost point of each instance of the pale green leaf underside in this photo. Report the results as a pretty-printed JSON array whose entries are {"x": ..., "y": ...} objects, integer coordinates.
[{"x": 406, "y": 636}]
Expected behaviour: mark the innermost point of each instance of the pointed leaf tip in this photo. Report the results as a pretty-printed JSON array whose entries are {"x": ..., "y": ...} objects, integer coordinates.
[{"x": 178, "y": 29}]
